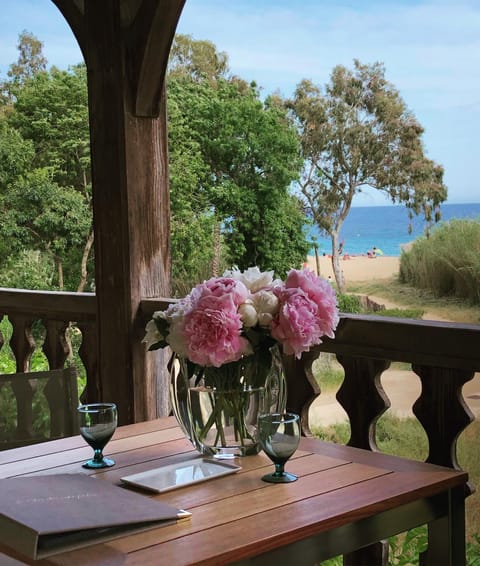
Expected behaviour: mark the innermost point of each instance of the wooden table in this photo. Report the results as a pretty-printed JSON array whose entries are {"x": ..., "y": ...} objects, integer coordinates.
[{"x": 344, "y": 499}]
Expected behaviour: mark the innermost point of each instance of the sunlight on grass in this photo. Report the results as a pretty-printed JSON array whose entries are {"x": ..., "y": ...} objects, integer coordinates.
[{"x": 448, "y": 308}]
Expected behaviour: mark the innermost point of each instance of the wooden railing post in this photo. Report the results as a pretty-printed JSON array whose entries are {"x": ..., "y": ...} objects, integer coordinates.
[
  {"x": 363, "y": 398},
  {"x": 442, "y": 411}
]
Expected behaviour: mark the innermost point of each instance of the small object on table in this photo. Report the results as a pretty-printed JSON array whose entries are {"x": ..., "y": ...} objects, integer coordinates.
[
  {"x": 279, "y": 435},
  {"x": 98, "y": 422}
]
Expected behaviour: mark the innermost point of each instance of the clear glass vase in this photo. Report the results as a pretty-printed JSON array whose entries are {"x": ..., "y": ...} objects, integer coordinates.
[{"x": 217, "y": 408}]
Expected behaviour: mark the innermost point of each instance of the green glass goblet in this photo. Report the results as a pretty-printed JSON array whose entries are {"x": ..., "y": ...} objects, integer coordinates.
[
  {"x": 279, "y": 435},
  {"x": 97, "y": 422}
]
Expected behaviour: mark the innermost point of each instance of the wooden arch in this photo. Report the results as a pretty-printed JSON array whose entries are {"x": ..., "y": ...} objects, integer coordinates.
[{"x": 125, "y": 44}]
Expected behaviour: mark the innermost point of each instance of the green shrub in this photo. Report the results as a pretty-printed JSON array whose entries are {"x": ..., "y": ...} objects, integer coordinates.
[
  {"x": 349, "y": 304},
  {"x": 447, "y": 262}
]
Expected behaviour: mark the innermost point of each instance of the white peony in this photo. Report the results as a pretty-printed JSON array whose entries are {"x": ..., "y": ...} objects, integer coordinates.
[
  {"x": 176, "y": 340},
  {"x": 252, "y": 278},
  {"x": 266, "y": 305},
  {"x": 248, "y": 313},
  {"x": 265, "y": 319}
]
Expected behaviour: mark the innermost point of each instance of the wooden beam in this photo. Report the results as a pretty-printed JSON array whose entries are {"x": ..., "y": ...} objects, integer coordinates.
[{"x": 148, "y": 45}]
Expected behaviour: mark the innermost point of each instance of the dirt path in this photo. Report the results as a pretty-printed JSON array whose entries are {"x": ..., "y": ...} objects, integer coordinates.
[{"x": 428, "y": 315}]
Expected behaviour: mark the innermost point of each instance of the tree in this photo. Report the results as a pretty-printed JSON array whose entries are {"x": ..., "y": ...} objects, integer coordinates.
[
  {"x": 16, "y": 155},
  {"x": 196, "y": 59},
  {"x": 359, "y": 133},
  {"x": 30, "y": 61},
  {"x": 51, "y": 110},
  {"x": 192, "y": 221},
  {"x": 40, "y": 215},
  {"x": 250, "y": 149}
]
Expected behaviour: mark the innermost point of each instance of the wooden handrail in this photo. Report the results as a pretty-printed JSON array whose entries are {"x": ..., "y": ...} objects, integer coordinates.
[
  {"x": 54, "y": 305},
  {"x": 444, "y": 356}
]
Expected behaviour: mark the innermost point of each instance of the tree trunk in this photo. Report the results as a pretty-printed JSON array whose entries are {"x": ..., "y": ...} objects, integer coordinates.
[
  {"x": 59, "y": 265},
  {"x": 86, "y": 253},
  {"x": 216, "y": 249},
  {"x": 337, "y": 271}
]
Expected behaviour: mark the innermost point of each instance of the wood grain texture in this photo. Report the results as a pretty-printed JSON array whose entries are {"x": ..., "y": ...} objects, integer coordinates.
[{"x": 238, "y": 516}]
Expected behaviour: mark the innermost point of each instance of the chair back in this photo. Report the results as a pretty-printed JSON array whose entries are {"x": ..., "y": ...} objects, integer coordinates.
[{"x": 37, "y": 406}]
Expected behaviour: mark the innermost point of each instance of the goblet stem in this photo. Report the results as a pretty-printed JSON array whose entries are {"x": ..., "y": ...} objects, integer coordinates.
[
  {"x": 279, "y": 470},
  {"x": 98, "y": 455}
]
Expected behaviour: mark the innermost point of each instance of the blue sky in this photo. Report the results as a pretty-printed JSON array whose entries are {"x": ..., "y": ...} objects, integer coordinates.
[{"x": 431, "y": 51}]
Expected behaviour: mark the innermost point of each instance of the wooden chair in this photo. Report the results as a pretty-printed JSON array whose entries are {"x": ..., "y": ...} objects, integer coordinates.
[{"x": 56, "y": 412}]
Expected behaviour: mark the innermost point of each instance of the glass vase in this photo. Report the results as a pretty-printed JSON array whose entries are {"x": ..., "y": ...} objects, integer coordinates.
[{"x": 217, "y": 408}]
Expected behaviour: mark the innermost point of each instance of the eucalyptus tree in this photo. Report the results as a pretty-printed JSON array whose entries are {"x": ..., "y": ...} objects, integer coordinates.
[
  {"x": 30, "y": 61},
  {"x": 358, "y": 132}
]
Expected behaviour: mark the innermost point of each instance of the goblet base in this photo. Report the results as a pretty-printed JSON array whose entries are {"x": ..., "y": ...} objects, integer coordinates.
[
  {"x": 286, "y": 477},
  {"x": 105, "y": 463}
]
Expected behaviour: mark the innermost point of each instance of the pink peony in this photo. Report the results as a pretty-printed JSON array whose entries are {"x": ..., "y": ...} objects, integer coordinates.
[
  {"x": 212, "y": 331},
  {"x": 321, "y": 293},
  {"x": 219, "y": 286},
  {"x": 297, "y": 326}
]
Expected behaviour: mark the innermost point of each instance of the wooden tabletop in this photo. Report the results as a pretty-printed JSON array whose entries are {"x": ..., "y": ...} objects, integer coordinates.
[{"x": 239, "y": 516}]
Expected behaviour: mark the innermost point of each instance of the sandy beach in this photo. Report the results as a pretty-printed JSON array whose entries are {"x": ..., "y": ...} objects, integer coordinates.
[{"x": 359, "y": 268}]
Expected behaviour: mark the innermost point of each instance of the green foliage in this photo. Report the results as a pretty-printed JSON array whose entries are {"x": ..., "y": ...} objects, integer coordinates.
[
  {"x": 28, "y": 270},
  {"x": 16, "y": 155},
  {"x": 401, "y": 313},
  {"x": 232, "y": 160},
  {"x": 349, "y": 303},
  {"x": 405, "y": 549},
  {"x": 359, "y": 133},
  {"x": 46, "y": 199},
  {"x": 196, "y": 59},
  {"x": 328, "y": 372},
  {"x": 473, "y": 551},
  {"x": 51, "y": 109},
  {"x": 447, "y": 262},
  {"x": 30, "y": 59},
  {"x": 243, "y": 157}
]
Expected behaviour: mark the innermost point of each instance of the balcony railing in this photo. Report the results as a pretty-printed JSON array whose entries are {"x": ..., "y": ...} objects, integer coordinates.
[{"x": 444, "y": 356}]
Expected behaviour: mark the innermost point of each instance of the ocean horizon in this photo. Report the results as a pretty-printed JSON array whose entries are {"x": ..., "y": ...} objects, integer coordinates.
[{"x": 385, "y": 227}]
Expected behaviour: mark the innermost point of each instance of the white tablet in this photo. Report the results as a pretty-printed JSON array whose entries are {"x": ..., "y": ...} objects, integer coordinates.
[{"x": 180, "y": 474}]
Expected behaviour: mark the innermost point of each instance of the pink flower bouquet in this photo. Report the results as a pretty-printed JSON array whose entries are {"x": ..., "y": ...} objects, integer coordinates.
[
  {"x": 227, "y": 334},
  {"x": 227, "y": 318}
]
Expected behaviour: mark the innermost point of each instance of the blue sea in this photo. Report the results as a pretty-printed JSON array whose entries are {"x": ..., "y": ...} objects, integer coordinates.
[{"x": 386, "y": 227}]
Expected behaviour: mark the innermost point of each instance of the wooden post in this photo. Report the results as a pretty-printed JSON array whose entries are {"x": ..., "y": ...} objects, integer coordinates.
[{"x": 126, "y": 46}]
